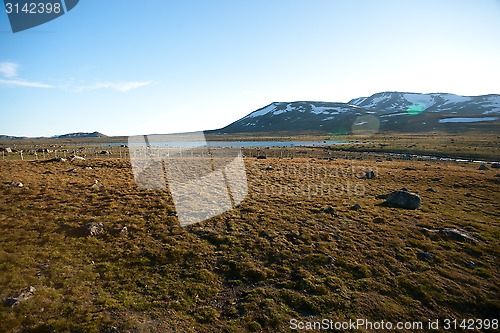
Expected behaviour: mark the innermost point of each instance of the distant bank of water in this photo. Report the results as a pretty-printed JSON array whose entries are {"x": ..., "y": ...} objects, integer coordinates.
[
  {"x": 238, "y": 144},
  {"x": 466, "y": 120}
]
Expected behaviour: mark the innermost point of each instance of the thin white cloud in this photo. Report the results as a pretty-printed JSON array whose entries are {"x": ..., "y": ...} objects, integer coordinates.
[
  {"x": 9, "y": 72},
  {"x": 23, "y": 83},
  {"x": 9, "y": 77},
  {"x": 8, "y": 69},
  {"x": 122, "y": 86}
]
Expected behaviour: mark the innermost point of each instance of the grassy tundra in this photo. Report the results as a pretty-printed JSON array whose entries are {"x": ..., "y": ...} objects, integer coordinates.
[{"x": 294, "y": 248}]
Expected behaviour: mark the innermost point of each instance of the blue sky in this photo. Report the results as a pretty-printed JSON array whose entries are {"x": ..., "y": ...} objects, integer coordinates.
[{"x": 126, "y": 67}]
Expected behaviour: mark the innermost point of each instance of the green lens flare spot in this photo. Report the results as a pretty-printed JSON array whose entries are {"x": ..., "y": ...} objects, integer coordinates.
[{"x": 416, "y": 108}]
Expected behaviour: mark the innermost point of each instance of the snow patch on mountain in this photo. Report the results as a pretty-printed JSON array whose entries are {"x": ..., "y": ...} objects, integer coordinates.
[
  {"x": 263, "y": 111},
  {"x": 426, "y": 100},
  {"x": 375, "y": 101},
  {"x": 451, "y": 98},
  {"x": 494, "y": 104}
]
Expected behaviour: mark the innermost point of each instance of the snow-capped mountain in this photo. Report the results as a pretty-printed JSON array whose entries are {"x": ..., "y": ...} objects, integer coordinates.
[
  {"x": 392, "y": 111},
  {"x": 398, "y": 101}
]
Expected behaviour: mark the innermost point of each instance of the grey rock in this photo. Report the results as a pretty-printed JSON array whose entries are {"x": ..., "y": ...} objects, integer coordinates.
[
  {"x": 95, "y": 229},
  {"x": 356, "y": 207},
  {"x": 404, "y": 199},
  {"x": 56, "y": 159},
  {"x": 97, "y": 186},
  {"x": 24, "y": 296},
  {"x": 124, "y": 231},
  {"x": 483, "y": 167},
  {"x": 495, "y": 165},
  {"x": 16, "y": 184},
  {"x": 430, "y": 189},
  {"x": 470, "y": 264},
  {"x": 77, "y": 158},
  {"x": 425, "y": 256},
  {"x": 459, "y": 234},
  {"x": 370, "y": 175},
  {"x": 330, "y": 210},
  {"x": 453, "y": 233}
]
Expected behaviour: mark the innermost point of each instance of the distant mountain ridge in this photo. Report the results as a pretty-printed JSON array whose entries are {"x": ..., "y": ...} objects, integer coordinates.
[
  {"x": 393, "y": 111},
  {"x": 81, "y": 135},
  {"x": 9, "y": 137},
  {"x": 63, "y": 136}
]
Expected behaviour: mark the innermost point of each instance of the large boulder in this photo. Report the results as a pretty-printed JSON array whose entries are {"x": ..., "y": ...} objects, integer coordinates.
[{"x": 404, "y": 199}]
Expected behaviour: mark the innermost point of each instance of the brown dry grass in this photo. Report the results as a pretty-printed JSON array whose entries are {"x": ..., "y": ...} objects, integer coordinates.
[{"x": 278, "y": 256}]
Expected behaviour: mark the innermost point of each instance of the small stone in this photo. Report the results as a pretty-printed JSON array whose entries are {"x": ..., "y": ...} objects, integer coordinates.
[
  {"x": 468, "y": 195},
  {"x": 95, "y": 229},
  {"x": 16, "y": 184},
  {"x": 470, "y": 264},
  {"x": 457, "y": 234},
  {"x": 430, "y": 189},
  {"x": 483, "y": 167},
  {"x": 97, "y": 186},
  {"x": 425, "y": 256},
  {"x": 356, "y": 207},
  {"x": 24, "y": 296},
  {"x": 495, "y": 165},
  {"x": 261, "y": 157},
  {"x": 57, "y": 159},
  {"x": 370, "y": 175},
  {"x": 268, "y": 168},
  {"x": 330, "y": 210},
  {"x": 77, "y": 158}
]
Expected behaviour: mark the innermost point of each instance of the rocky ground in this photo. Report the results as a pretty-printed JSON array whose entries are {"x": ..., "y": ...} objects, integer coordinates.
[{"x": 82, "y": 249}]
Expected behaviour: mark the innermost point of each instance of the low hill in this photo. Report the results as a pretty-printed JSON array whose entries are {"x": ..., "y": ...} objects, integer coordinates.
[{"x": 81, "y": 135}]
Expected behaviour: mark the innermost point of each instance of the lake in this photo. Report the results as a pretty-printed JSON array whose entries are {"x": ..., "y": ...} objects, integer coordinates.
[{"x": 237, "y": 144}]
